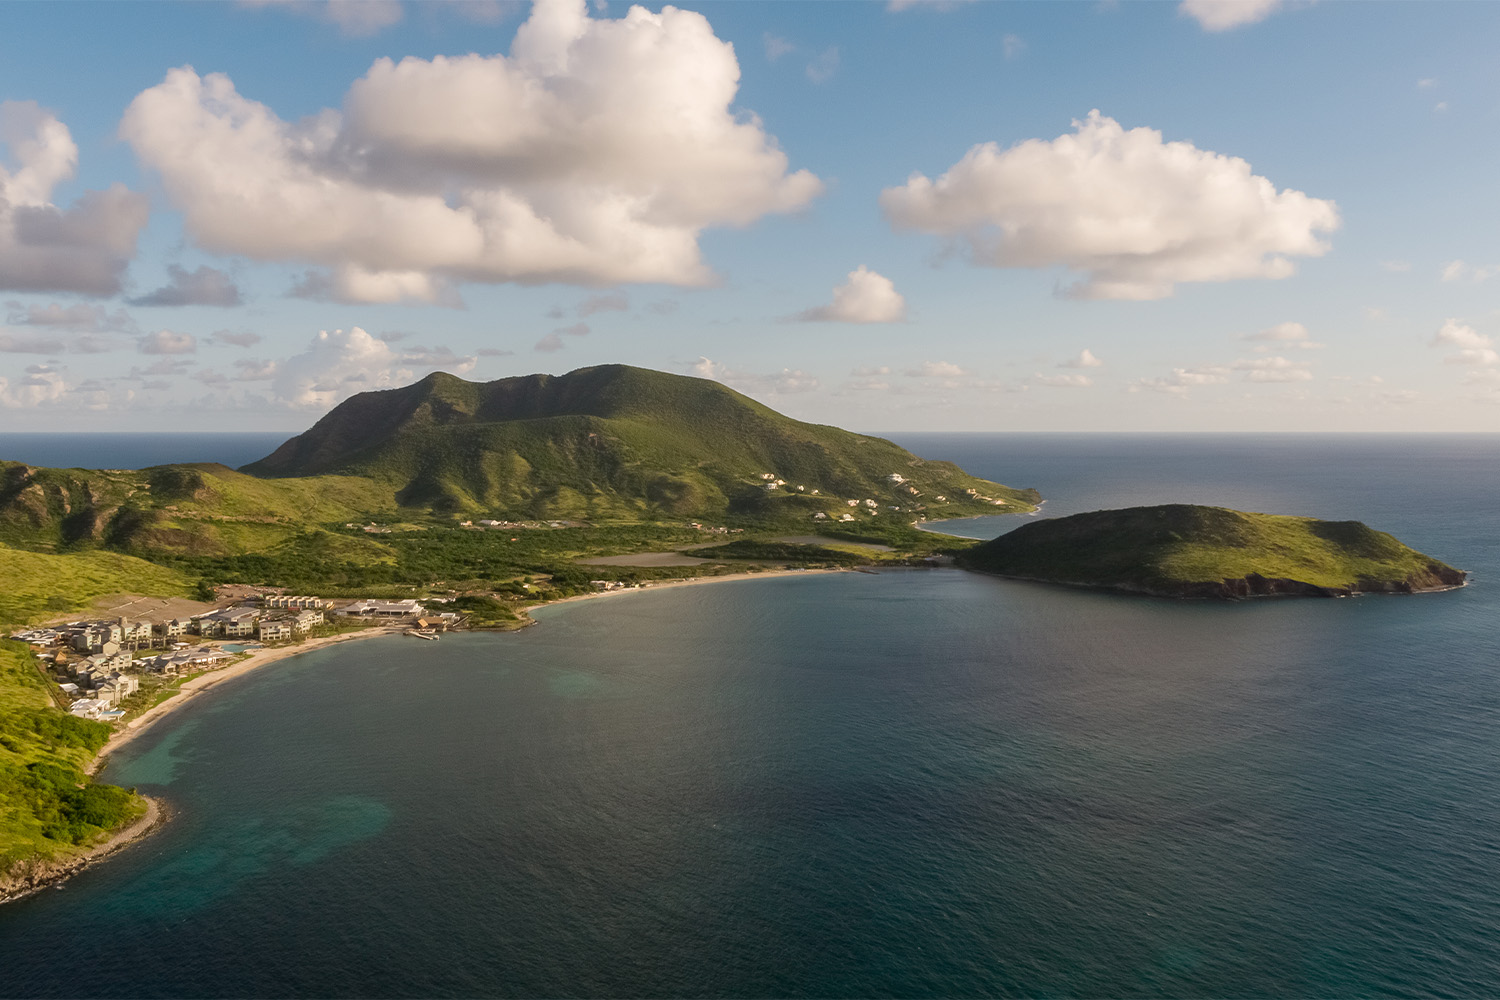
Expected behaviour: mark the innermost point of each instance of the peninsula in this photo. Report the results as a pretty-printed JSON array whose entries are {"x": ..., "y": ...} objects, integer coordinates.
[{"x": 1186, "y": 551}]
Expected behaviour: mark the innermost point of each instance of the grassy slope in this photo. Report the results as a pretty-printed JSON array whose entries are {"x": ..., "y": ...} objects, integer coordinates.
[
  {"x": 39, "y": 744},
  {"x": 1165, "y": 547},
  {"x": 612, "y": 442}
]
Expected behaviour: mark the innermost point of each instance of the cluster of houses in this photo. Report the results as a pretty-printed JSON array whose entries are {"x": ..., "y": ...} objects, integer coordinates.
[{"x": 97, "y": 656}]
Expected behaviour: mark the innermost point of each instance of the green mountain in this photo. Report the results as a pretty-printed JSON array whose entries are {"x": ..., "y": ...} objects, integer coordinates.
[
  {"x": 1181, "y": 550},
  {"x": 618, "y": 442}
]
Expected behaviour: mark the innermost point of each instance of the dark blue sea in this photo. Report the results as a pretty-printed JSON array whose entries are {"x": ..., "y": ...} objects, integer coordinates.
[
  {"x": 128, "y": 450},
  {"x": 920, "y": 783}
]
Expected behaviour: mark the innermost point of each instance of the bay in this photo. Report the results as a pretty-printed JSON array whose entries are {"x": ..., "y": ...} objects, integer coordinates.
[{"x": 913, "y": 783}]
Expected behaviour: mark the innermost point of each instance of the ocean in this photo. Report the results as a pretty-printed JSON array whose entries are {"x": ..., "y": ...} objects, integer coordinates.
[
  {"x": 131, "y": 450},
  {"x": 905, "y": 783}
]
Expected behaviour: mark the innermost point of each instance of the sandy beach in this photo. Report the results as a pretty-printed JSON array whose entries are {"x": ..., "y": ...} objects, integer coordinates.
[
  {"x": 262, "y": 657},
  {"x": 204, "y": 682}
]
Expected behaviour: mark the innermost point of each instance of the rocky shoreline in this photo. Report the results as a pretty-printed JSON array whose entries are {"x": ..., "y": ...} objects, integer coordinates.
[
  {"x": 32, "y": 875},
  {"x": 1254, "y": 585}
]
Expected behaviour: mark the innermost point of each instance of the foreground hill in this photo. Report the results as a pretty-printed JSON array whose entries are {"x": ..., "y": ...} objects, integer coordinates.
[
  {"x": 1181, "y": 550},
  {"x": 616, "y": 441}
]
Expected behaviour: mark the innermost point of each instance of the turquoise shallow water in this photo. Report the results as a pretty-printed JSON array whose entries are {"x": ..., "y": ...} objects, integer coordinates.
[{"x": 918, "y": 783}]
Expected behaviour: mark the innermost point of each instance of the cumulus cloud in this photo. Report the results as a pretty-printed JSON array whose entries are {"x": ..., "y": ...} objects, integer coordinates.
[
  {"x": 1222, "y": 15},
  {"x": 42, "y": 384},
  {"x": 1475, "y": 349},
  {"x": 339, "y": 364},
  {"x": 1085, "y": 359},
  {"x": 236, "y": 338},
  {"x": 784, "y": 382},
  {"x": 1064, "y": 381},
  {"x": 866, "y": 371},
  {"x": 1134, "y": 215},
  {"x": 167, "y": 342},
  {"x": 595, "y": 153},
  {"x": 1456, "y": 333},
  {"x": 44, "y": 248},
  {"x": 867, "y": 297},
  {"x": 206, "y": 286}
]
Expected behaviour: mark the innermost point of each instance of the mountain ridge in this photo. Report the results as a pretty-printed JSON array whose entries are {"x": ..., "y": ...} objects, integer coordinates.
[{"x": 610, "y": 440}]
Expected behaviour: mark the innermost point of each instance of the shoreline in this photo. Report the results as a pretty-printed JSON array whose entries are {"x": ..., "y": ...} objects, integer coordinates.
[
  {"x": 262, "y": 657},
  {"x": 205, "y": 681},
  {"x": 35, "y": 875}
]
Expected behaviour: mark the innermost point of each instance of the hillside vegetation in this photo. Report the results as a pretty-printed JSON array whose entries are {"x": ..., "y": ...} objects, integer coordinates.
[
  {"x": 617, "y": 442},
  {"x": 47, "y": 805},
  {"x": 1180, "y": 550}
]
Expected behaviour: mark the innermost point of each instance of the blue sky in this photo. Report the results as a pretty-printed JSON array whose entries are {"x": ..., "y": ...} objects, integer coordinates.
[{"x": 1283, "y": 215}]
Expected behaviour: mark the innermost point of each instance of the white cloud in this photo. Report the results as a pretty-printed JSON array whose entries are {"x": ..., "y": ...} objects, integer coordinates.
[
  {"x": 897, "y": 6},
  {"x": 167, "y": 342},
  {"x": 1456, "y": 333},
  {"x": 1180, "y": 380},
  {"x": 865, "y": 371},
  {"x": 936, "y": 369},
  {"x": 355, "y": 18},
  {"x": 595, "y": 153},
  {"x": 1085, "y": 359},
  {"x": 1457, "y": 270},
  {"x": 777, "y": 47},
  {"x": 1012, "y": 46},
  {"x": 824, "y": 65},
  {"x": 1275, "y": 369},
  {"x": 1064, "y": 381},
  {"x": 338, "y": 364},
  {"x": 1283, "y": 335},
  {"x": 42, "y": 247},
  {"x": 1475, "y": 349},
  {"x": 205, "y": 286},
  {"x": 785, "y": 382},
  {"x": 1396, "y": 266},
  {"x": 42, "y": 384},
  {"x": 1426, "y": 84},
  {"x": 1135, "y": 215},
  {"x": 1222, "y": 15},
  {"x": 867, "y": 297}
]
